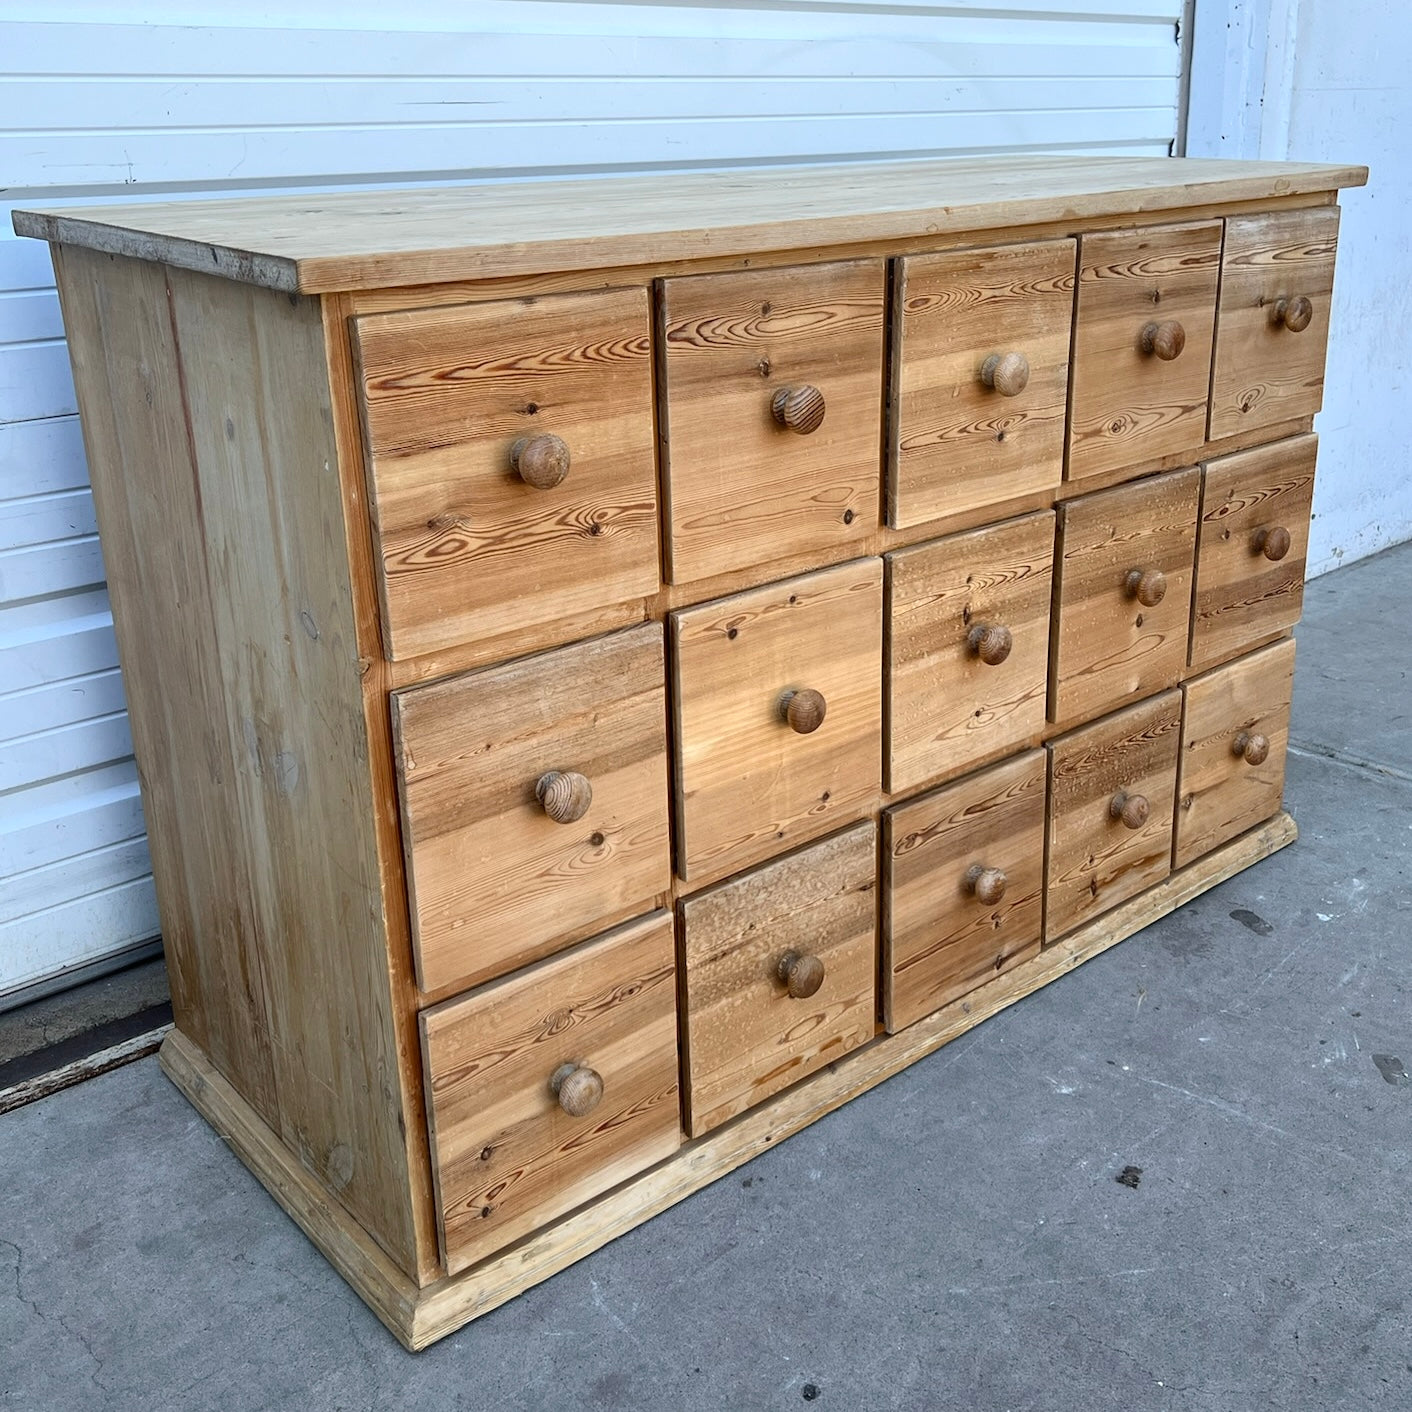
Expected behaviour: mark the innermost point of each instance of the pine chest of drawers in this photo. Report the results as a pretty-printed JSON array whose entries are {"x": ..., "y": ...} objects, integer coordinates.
[{"x": 618, "y": 668}]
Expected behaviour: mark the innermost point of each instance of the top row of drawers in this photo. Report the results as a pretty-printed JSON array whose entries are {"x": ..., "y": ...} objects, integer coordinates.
[{"x": 511, "y": 443}]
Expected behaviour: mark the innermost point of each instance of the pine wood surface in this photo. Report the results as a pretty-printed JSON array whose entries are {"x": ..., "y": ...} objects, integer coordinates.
[
  {"x": 1220, "y": 794},
  {"x": 948, "y": 710},
  {"x": 957, "y": 444},
  {"x": 1264, "y": 372},
  {"x": 494, "y": 882},
  {"x": 316, "y": 243},
  {"x": 739, "y": 487},
  {"x": 939, "y": 940},
  {"x": 507, "y": 1157},
  {"x": 1241, "y": 596},
  {"x": 1094, "y": 860},
  {"x": 745, "y": 1036},
  {"x": 1109, "y": 648},
  {"x": 748, "y": 786}
]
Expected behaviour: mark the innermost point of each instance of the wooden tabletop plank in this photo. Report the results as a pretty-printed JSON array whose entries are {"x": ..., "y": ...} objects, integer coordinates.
[{"x": 374, "y": 239}]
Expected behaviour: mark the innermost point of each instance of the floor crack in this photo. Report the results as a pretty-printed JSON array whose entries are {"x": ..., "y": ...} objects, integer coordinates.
[{"x": 1347, "y": 758}]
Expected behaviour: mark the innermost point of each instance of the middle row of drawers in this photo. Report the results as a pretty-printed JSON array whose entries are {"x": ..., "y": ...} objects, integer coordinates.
[{"x": 535, "y": 794}]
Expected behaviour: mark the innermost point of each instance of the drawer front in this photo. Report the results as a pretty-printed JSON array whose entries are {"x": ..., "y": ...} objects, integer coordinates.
[
  {"x": 757, "y": 771},
  {"x": 1142, "y": 345},
  {"x": 472, "y": 414},
  {"x": 550, "y": 1087},
  {"x": 780, "y": 967},
  {"x": 982, "y": 368},
  {"x": 1235, "y": 731},
  {"x": 498, "y": 875},
  {"x": 1251, "y": 547},
  {"x": 1112, "y": 786},
  {"x": 967, "y": 649},
  {"x": 963, "y": 886},
  {"x": 1124, "y": 567},
  {"x": 1277, "y": 283},
  {"x": 744, "y": 487}
]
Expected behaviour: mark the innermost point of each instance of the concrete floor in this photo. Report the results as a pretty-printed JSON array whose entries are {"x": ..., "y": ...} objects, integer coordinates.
[{"x": 956, "y": 1239}]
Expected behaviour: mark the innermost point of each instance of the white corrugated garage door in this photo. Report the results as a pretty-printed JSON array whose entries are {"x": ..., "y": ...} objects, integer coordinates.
[{"x": 322, "y": 93}]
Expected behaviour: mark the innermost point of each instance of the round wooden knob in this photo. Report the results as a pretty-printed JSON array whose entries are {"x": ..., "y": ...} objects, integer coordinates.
[
  {"x": 801, "y": 974},
  {"x": 1132, "y": 809},
  {"x": 990, "y": 642},
  {"x": 803, "y": 710},
  {"x": 540, "y": 461},
  {"x": 1148, "y": 586},
  {"x": 1007, "y": 373},
  {"x": 1254, "y": 749},
  {"x": 1166, "y": 339},
  {"x": 1273, "y": 543},
  {"x": 1293, "y": 314},
  {"x": 799, "y": 408},
  {"x": 578, "y": 1088},
  {"x": 565, "y": 795},
  {"x": 988, "y": 884}
]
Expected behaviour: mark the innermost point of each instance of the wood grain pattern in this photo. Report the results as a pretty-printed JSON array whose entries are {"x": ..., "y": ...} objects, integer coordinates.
[
  {"x": 746, "y": 784},
  {"x": 1219, "y": 793},
  {"x": 745, "y": 1036},
  {"x": 494, "y": 881},
  {"x": 362, "y": 240},
  {"x": 949, "y": 710},
  {"x": 1094, "y": 860},
  {"x": 507, "y": 1157},
  {"x": 940, "y": 941},
  {"x": 956, "y": 443},
  {"x": 1108, "y": 647},
  {"x": 1129, "y": 407},
  {"x": 1264, "y": 373},
  {"x": 469, "y": 549},
  {"x": 1241, "y": 596},
  {"x": 739, "y": 487}
]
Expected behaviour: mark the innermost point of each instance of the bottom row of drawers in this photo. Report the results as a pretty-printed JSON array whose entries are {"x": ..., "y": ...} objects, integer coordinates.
[{"x": 556, "y": 1083}]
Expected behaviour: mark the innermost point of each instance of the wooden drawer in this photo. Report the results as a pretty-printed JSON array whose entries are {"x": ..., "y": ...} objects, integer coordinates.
[
  {"x": 1142, "y": 346},
  {"x": 1251, "y": 547},
  {"x": 982, "y": 369},
  {"x": 963, "y": 886},
  {"x": 743, "y": 487},
  {"x": 780, "y": 966},
  {"x": 497, "y": 876},
  {"x": 1277, "y": 283},
  {"x": 756, "y": 770},
  {"x": 1112, "y": 786},
  {"x": 1235, "y": 730},
  {"x": 967, "y": 649},
  {"x": 510, "y": 1150},
  {"x": 468, "y": 546},
  {"x": 1124, "y": 568}
]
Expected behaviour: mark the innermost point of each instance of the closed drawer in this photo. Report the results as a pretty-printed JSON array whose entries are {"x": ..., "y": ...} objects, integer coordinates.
[
  {"x": 510, "y": 449},
  {"x": 549, "y": 1087},
  {"x": 1124, "y": 567},
  {"x": 982, "y": 369},
  {"x": 779, "y": 709},
  {"x": 963, "y": 886},
  {"x": 534, "y": 803},
  {"x": 1112, "y": 786},
  {"x": 780, "y": 967},
  {"x": 1277, "y": 283},
  {"x": 773, "y": 409},
  {"x": 1142, "y": 346},
  {"x": 1235, "y": 731},
  {"x": 1251, "y": 547},
  {"x": 967, "y": 649}
]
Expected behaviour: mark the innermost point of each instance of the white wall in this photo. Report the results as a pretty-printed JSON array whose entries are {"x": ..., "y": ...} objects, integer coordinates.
[
  {"x": 203, "y": 96},
  {"x": 1327, "y": 80}
]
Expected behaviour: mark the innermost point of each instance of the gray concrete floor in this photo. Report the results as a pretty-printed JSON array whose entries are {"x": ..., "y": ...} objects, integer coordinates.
[{"x": 954, "y": 1240}]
